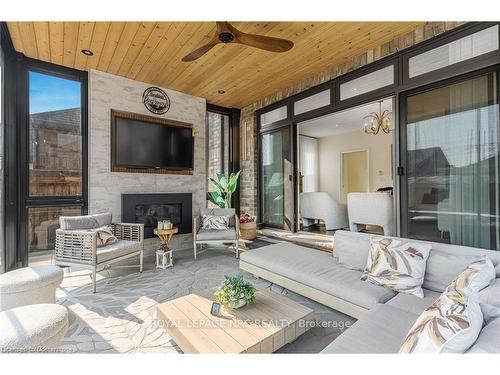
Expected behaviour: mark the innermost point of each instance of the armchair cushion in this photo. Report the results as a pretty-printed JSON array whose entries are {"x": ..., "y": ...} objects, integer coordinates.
[
  {"x": 84, "y": 222},
  {"x": 216, "y": 235},
  {"x": 116, "y": 250}
]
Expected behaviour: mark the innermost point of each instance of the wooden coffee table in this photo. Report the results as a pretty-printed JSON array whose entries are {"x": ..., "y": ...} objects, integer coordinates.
[{"x": 262, "y": 327}]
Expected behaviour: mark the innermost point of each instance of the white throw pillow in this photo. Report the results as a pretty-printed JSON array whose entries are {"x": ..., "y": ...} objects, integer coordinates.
[
  {"x": 453, "y": 322},
  {"x": 396, "y": 264},
  {"x": 478, "y": 274}
]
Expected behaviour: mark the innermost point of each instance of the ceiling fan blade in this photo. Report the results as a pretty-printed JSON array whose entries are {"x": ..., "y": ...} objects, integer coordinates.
[
  {"x": 267, "y": 43},
  {"x": 197, "y": 53}
]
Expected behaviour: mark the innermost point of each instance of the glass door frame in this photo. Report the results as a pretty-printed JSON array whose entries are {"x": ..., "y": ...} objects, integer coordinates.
[
  {"x": 25, "y": 202},
  {"x": 293, "y": 131},
  {"x": 234, "y": 145},
  {"x": 403, "y": 163}
]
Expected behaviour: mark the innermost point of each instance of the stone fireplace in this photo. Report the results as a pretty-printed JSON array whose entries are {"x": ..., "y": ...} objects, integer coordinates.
[{"x": 150, "y": 208}]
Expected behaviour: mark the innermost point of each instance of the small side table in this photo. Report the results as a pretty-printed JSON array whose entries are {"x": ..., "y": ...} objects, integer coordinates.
[{"x": 164, "y": 257}]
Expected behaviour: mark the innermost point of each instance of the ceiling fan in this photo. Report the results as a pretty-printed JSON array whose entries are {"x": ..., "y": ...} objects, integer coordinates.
[{"x": 226, "y": 33}]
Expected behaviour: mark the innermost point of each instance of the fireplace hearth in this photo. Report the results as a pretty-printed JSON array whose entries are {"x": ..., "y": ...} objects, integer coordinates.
[{"x": 148, "y": 209}]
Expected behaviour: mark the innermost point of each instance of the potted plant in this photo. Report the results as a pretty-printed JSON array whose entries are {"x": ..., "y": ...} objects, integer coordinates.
[
  {"x": 248, "y": 227},
  {"x": 223, "y": 189},
  {"x": 235, "y": 292}
]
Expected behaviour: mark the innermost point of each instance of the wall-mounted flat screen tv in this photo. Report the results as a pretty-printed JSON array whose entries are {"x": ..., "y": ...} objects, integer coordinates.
[{"x": 146, "y": 142}]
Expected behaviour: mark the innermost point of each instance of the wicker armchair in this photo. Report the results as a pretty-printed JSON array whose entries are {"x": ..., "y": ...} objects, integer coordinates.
[
  {"x": 76, "y": 245},
  {"x": 216, "y": 237}
]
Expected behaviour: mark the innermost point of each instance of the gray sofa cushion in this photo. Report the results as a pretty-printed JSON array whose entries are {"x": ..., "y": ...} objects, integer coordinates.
[
  {"x": 351, "y": 250},
  {"x": 488, "y": 340},
  {"x": 489, "y": 300},
  {"x": 116, "y": 250},
  {"x": 443, "y": 268},
  {"x": 381, "y": 330},
  {"x": 84, "y": 222},
  {"x": 318, "y": 270},
  {"x": 216, "y": 235},
  {"x": 412, "y": 304}
]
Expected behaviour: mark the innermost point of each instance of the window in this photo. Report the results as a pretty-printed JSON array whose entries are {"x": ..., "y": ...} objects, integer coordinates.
[
  {"x": 368, "y": 82},
  {"x": 217, "y": 145},
  {"x": 55, "y": 158},
  {"x": 275, "y": 115},
  {"x": 465, "y": 48},
  {"x": 452, "y": 172},
  {"x": 314, "y": 101},
  {"x": 55, "y": 137}
]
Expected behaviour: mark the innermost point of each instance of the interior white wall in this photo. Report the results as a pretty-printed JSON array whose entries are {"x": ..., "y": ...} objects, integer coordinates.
[
  {"x": 108, "y": 91},
  {"x": 330, "y": 149},
  {"x": 309, "y": 163}
]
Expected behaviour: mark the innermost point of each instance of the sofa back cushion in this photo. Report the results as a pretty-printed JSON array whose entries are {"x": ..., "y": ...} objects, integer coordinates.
[
  {"x": 351, "y": 249},
  {"x": 445, "y": 261},
  {"x": 85, "y": 222},
  {"x": 489, "y": 299},
  {"x": 488, "y": 341}
]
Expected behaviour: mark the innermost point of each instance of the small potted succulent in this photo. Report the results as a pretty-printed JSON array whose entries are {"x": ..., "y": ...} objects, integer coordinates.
[
  {"x": 248, "y": 227},
  {"x": 235, "y": 292}
]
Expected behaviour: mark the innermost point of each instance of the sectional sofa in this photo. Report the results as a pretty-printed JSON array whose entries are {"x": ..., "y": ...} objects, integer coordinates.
[{"x": 384, "y": 317}]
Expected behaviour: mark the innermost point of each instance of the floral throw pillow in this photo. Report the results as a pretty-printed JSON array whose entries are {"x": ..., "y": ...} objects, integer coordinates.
[
  {"x": 214, "y": 222},
  {"x": 453, "y": 322},
  {"x": 397, "y": 265}
]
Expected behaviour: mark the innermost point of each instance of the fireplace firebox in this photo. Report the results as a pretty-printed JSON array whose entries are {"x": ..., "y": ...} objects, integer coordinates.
[{"x": 148, "y": 209}]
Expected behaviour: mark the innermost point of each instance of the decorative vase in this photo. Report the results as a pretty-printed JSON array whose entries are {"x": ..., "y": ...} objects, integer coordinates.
[
  {"x": 248, "y": 231},
  {"x": 237, "y": 304}
]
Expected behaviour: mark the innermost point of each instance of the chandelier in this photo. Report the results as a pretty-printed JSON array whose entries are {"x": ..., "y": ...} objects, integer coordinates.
[{"x": 378, "y": 121}]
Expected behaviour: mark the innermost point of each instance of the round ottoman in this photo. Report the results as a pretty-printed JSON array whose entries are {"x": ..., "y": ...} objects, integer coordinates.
[
  {"x": 34, "y": 326},
  {"x": 29, "y": 285}
]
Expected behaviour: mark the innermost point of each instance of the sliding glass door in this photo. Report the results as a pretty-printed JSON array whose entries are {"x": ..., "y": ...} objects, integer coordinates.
[
  {"x": 276, "y": 184},
  {"x": 450, "y": 145}
]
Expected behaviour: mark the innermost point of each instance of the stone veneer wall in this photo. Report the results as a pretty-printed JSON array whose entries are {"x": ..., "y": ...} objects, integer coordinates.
[
  {"x": 249, "y": 169},
  {"x": 106, "y": 92}
]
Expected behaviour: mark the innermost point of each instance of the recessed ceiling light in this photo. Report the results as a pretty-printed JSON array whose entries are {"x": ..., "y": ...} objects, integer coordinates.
[
  {"x": 87, "y": 52},
  {"x": 221, "y": 92}
]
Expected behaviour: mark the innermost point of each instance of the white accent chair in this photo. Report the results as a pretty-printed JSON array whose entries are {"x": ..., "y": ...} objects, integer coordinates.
[
  {"x": 320, "y": 206},
  {"x": 76, "y": 245},
  {"x": 29, "y": 317},
  {"x": 216, "y": 237},
  {"x": 370, "y": 209}
]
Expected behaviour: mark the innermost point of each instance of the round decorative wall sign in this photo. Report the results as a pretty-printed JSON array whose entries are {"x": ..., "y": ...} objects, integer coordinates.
[{"x": 156, "y": 100}]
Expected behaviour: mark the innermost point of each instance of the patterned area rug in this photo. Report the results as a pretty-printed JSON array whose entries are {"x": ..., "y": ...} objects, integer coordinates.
[{"x": 120, "y": 317}]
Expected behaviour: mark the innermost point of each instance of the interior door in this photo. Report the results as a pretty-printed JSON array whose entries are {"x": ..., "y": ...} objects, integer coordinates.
[{"x": 276, "y": 183}]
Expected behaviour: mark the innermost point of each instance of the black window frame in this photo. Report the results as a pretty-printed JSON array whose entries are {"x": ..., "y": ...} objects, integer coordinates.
[
  {"x": 403, "y": 98},
  {"x": 17, "y": 201},
  {"x": 233, "y": 115}
]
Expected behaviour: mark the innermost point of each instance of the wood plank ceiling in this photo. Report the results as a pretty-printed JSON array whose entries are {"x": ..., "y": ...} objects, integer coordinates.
[{"x": 151, "y": 52}]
